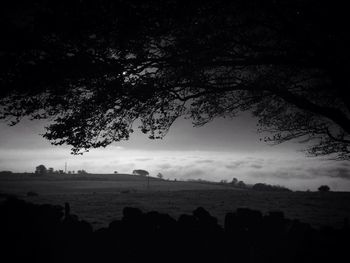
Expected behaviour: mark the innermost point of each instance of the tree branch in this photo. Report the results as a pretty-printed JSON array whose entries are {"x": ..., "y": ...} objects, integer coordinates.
[{"x": 331, "y": 113}]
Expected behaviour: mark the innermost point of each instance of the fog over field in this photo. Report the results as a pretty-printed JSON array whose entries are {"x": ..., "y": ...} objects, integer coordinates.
[{"x": 218, "y": 151}]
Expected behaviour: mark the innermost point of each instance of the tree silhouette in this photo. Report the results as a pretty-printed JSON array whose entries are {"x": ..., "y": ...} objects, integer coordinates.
[
  {"x": 140, "y": 172},
  {"x": 241, "y": 184},
  {"x": 41, "y": 170},
  {"x": 324, "y": 188},
  {"x": 234, "y": 181},
  {"x": 96, "y": 68}
]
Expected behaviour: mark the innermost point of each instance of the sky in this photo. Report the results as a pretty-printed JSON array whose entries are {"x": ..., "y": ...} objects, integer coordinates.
[{"x": 220, "y": 150}]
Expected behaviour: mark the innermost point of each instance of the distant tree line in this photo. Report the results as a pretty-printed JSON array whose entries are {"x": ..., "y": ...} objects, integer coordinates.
[
  {"x": 238, "y": 183},
  {"x": 42, "y": 170},
  {"x": 270, "y": 188},
  {"x": 141, "y": 172},
  {"x": 235, "y": 182},
  {"x": 258, "y": 186},
  {"x": 5, "y": 172}
]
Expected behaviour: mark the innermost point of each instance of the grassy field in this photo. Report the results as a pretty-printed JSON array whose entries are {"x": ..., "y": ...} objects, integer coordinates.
[{"x": 100, "y": 198}]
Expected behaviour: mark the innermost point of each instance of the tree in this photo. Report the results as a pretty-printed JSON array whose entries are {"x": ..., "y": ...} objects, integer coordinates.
[
  {"x": 50, "y": 170},
  {"x": 234, "y": 181},
  {"x": 324, "y": 188},
  {"x": 241, "y": 184},
  {"x": 140, "y": 172},
  {"x": 95, "y": 69},
  {"x": 41, "y": 170},
  {"x": 160, "y": 176}
]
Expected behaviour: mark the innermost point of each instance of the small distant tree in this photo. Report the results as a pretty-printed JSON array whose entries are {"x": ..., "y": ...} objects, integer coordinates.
[
  {"x": 50, "y": 170},
  {"x": 160, "y": 176},
  {"x": 241, "y": 184},
  {"x": 234, "y": 181},
  {"x": 324, "y": 188},
  {"x": 115, "y": 172},
  {"x": 81, "y": 172},
  {"x": 140, "y": 172},
  {"x": 223, "y": 181},
  {"x": 41, "y": 170}
]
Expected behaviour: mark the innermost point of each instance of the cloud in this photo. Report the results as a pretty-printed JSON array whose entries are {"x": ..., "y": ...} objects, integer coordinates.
[
  {"x": 164, "y": 166},
  {"x": 341, "y": 172},
  {"x": 193, "y": 173},
  {"x": 205, "y": 161},
  {"x": 234, "y": 165},
  {"x": 256, "y": 166},
  {"x": 143, "y": 159},
  {"x": 333, "y": 171}
]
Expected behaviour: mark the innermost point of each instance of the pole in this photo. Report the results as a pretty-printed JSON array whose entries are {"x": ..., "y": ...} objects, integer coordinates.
[{"x": 65, "y": 167}]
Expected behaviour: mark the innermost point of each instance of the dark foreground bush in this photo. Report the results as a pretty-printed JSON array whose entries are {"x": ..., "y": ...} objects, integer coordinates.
[{"x": 47, "y": 233}]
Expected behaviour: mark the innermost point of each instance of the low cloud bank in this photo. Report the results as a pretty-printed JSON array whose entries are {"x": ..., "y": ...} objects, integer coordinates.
[{"x": 291, "y": 170}]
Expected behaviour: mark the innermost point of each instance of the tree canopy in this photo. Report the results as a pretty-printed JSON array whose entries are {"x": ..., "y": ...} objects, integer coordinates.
[{"x": 93, "y": 69}]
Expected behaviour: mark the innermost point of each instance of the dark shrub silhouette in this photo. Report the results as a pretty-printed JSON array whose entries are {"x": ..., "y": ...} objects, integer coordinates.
[
  {"x": 40, "y": 170},
  {"x": 324, "y": 188},
  {"x": 82, "y": 172},
  {"x": 241, "y": 184},
  {"x": 270, "y": 188},
  {"x": 234, "y": 181},
  {"x": 140, "y": 172}
]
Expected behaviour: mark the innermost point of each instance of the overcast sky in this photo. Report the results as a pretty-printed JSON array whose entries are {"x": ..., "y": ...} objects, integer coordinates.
[{"x": 223, "y": 149}]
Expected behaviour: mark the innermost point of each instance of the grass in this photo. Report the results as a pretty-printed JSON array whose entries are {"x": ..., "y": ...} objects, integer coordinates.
[{"x": 100, "y": 198}]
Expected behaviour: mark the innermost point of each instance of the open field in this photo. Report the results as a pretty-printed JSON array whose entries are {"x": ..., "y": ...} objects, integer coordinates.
[{"x": 100, "y": 198}]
